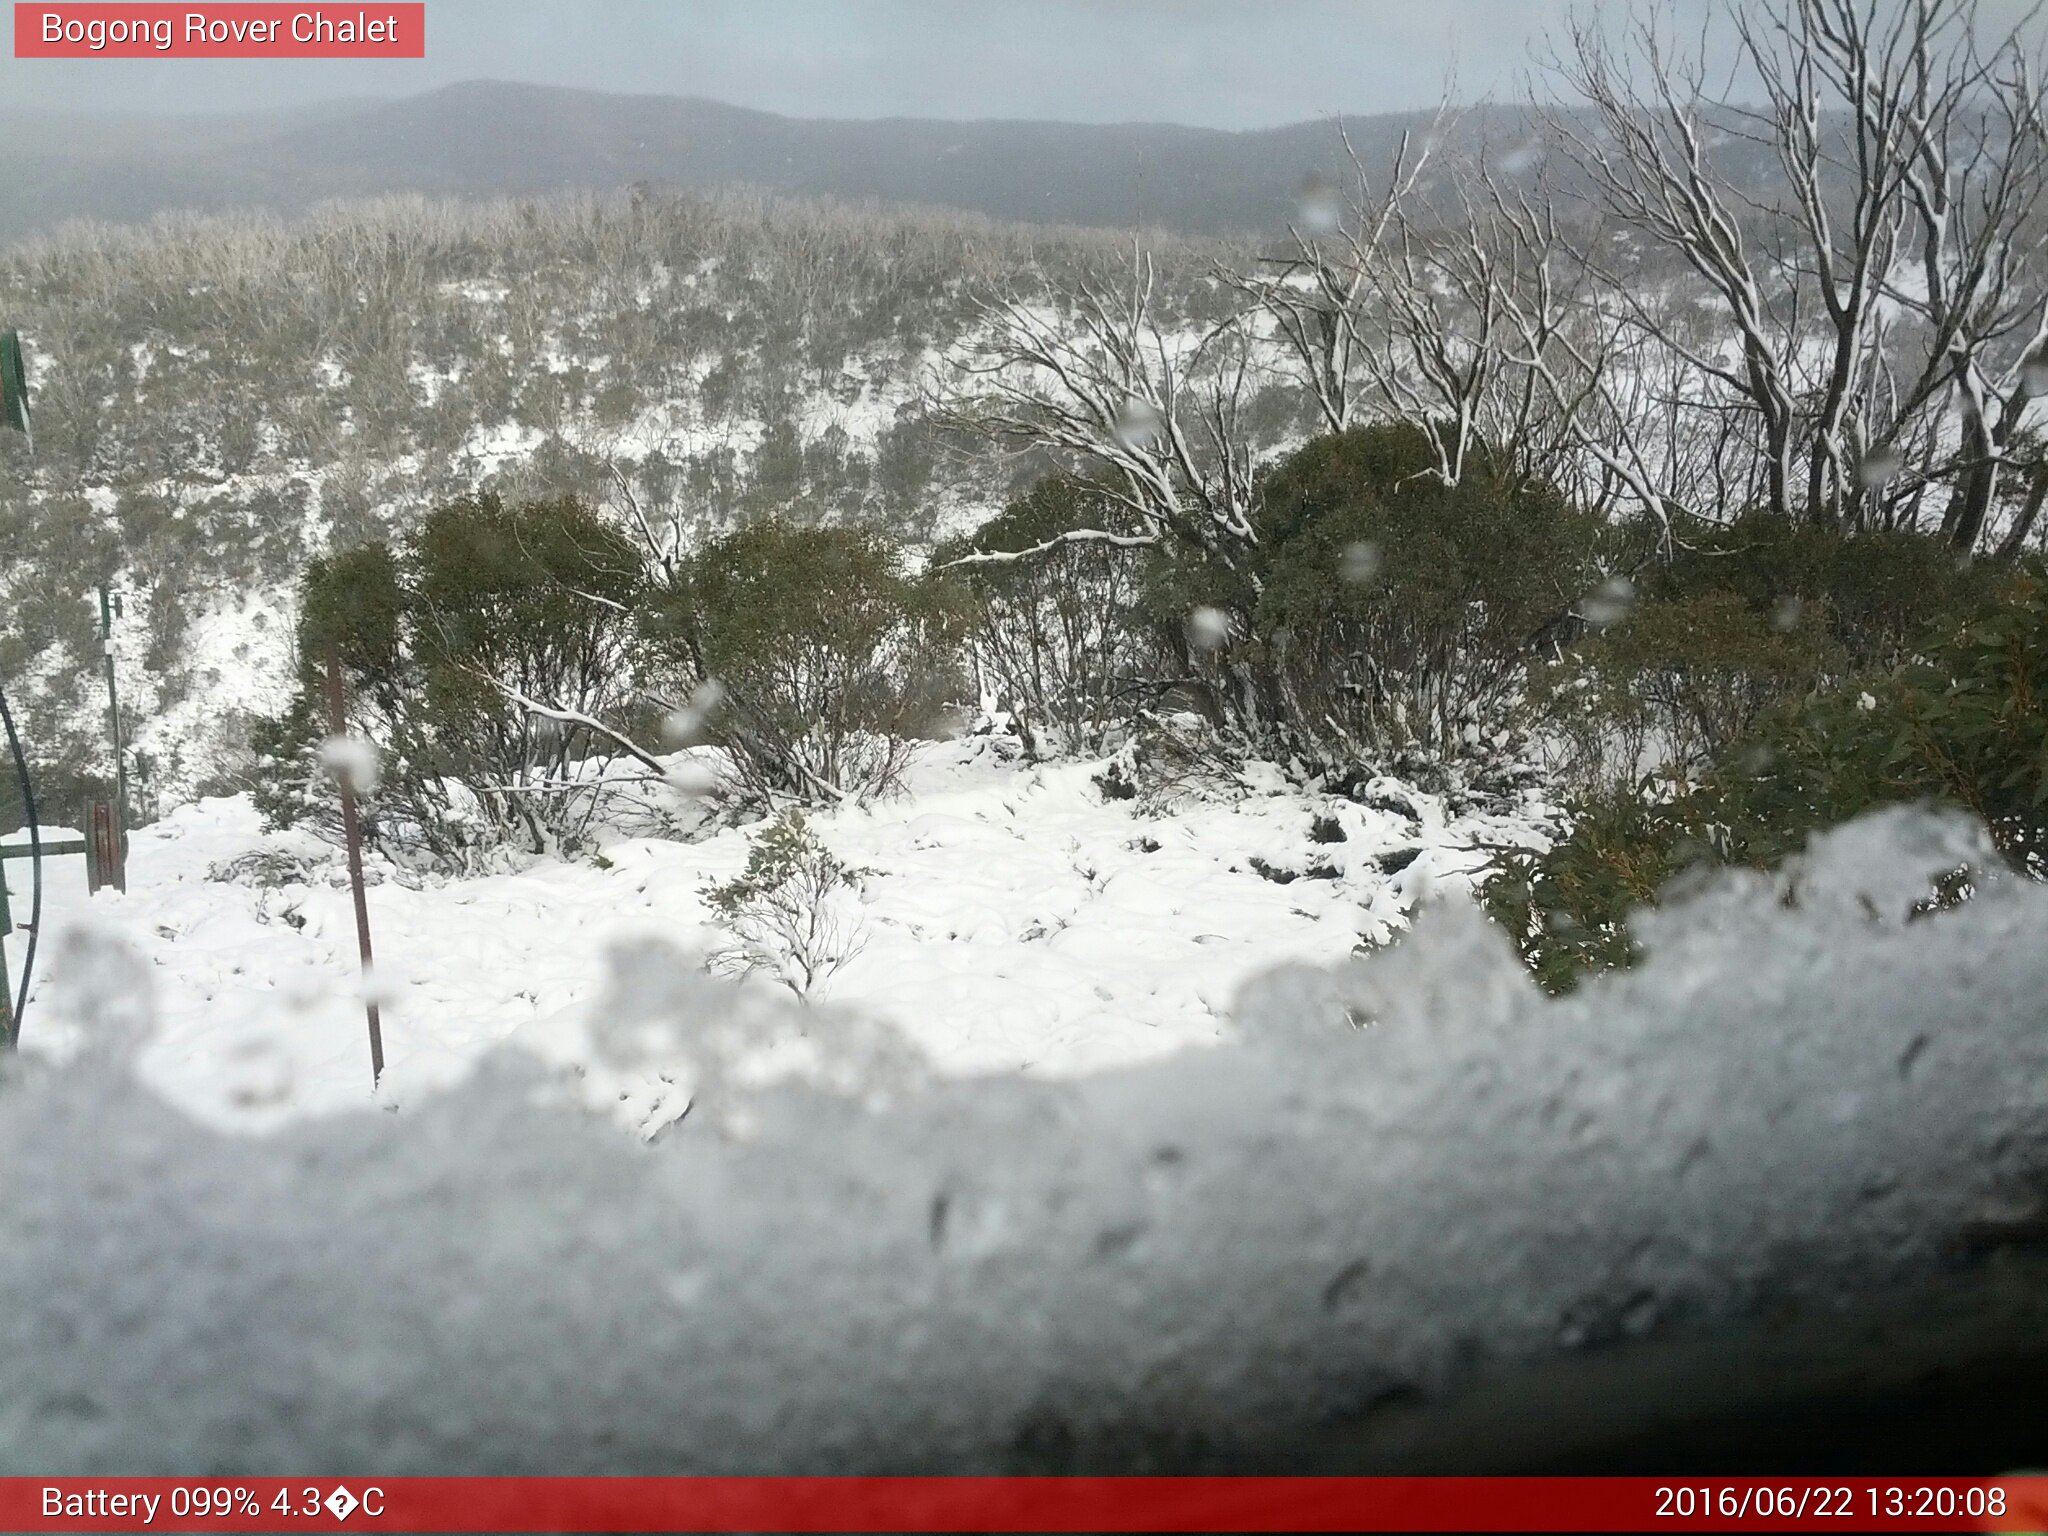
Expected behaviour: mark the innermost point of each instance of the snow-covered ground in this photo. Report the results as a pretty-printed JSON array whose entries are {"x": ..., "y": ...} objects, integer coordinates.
[{"x": 1016, "y": 920}]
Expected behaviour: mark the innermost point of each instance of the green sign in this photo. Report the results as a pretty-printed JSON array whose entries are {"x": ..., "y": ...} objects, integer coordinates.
[{"x": 13, "y": 384}]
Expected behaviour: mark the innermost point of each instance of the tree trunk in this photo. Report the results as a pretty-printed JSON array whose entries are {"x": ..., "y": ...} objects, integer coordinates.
[{"x": 1970, "y": 503}]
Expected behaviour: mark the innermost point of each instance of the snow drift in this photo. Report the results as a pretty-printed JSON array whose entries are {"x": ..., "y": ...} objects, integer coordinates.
[{"x": 1411, "y": 1173}]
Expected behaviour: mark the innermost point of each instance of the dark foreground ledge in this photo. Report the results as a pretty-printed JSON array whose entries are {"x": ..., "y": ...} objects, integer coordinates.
[
  {"x": 1772, "y": 1201},
  {"x": 1941, "y": 1378}
]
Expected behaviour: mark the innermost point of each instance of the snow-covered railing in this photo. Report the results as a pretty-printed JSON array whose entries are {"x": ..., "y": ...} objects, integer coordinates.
[{"x": 1793, "y": 1107}]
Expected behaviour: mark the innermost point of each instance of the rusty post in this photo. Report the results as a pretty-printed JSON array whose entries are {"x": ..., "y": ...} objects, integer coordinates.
[
  {"x": 103, "y": 862},
  {"x": 119, "y": 867},
  {"x": 352, "y": 837},
  {"x": 94, "y": 870}
]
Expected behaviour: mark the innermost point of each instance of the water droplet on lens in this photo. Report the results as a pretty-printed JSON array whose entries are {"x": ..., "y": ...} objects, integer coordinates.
[
  {"x": 258, "y": 1075},
  {"x": 1610, "y": 604},
  {"x": 1879, "y": 467},
  {"x": 1318, "y": 208},
  {"x": 352, "y": 761},
  {"x": 1138, "y": 424},
  {"x": 686, "y": 727},
  {"x": 1208, "y": 629},
  {"x": 686, "y": 1287},
  {"x": 372, "y": 988},
  {"x": 1361, "y": 562},
  {"x": 692, "y": 779}
]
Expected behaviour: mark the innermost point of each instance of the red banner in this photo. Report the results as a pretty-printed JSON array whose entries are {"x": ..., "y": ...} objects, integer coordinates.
[
  {"x": 1025, "y": 1504},
  {"x": 211, "y": 30}
]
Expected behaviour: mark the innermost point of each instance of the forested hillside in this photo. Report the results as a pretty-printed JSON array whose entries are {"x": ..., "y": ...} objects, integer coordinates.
[
  {"x": 486, "y": 138},
  {"x": 219, "y": 399}
]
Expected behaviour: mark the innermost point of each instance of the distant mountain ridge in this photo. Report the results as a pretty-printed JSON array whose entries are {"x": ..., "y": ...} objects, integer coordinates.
[{"x": 494, "y": 138}]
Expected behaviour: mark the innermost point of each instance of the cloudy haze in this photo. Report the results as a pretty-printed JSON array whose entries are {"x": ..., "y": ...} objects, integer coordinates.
[
  {"x": 1213, "y": 63},
  {"x": 1216, "y": 63}
]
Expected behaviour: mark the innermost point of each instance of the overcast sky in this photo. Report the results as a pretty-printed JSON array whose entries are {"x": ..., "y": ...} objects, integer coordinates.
[
  {"x": 1220, "y": 63},
  {"x": 1223, "y": 63}
]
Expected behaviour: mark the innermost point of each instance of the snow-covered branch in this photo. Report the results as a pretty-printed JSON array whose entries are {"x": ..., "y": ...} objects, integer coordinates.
[{"x": 1072, "y": 536}]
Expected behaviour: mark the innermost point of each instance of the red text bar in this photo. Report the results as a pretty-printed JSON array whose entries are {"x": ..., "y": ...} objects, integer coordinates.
[
  {"x": 220, "y": 31},
  {"x": 1062, "y": 1504}
]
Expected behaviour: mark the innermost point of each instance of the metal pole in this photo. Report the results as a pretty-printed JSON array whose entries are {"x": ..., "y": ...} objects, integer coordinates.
[
  {"x": 12, "y": 1008},
  {"x": 14, "y": 413},
  {"x": 352, "y": 837},
  {"x": 7, "y": 1027},
  {"x": 120, "y": 767}
]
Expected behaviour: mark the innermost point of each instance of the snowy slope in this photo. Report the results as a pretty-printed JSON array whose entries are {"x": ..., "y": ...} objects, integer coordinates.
[{"x": 1016, "y": 919}]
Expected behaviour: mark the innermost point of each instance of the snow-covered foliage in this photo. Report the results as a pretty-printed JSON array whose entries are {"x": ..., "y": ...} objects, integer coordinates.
[
  {"x": 220, "y": 398},
  {"x": 792, "y": 910},
  {"x": 840, "y": 1265}
]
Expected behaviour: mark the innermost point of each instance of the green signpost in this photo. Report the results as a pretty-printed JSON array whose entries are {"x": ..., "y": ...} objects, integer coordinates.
[{"x": 14, "y": 386}]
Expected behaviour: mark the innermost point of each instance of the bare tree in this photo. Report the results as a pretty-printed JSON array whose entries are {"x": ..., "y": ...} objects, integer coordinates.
[
  {"x": 1975, "y": 186},
  {"x": 1897, "y": 279},
  {"x": 1464, "y": 303},
  {"x": 1318, "y": 295},
  {"x": 1094, "y": 374}
]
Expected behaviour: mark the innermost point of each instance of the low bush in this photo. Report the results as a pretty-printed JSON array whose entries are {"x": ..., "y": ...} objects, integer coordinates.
[
  {"x": 830, "y": 660},
  {"x": 1053, "y": 632},
  {"x": 1393, "y": 611},
  {"x": 481, "y": 657},
  {"x": 1677, "y": 681},
  {"x": 1963, "y": 724},
  {"x": 1878, "y": 593},
  {"x": 794, "y": 909},
  {"x": 1176, "y": 758},
  {"x": 1707, "y": 635}
]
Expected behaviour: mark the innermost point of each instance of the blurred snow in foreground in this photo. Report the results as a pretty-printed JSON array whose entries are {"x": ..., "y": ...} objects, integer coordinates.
[{"x": 1803, "y": 1096}]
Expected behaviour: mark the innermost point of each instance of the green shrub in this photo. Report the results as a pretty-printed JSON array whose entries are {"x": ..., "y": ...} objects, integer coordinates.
[
  {"x": 1678, "y": 681},
  {"x": 1054, "y": 636},
  {"x": 1394, "y": 611},
  {"x": 353, "y": 603},
  {"x": 1879, "y": 592},
  {"x": 1964, "y": 725},
  {"x": 1717, "y": 630},
  {"x": 454, "y": 648},
  {"x": 830, "y": 659},
  {"x": 793, "y": 910}
]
